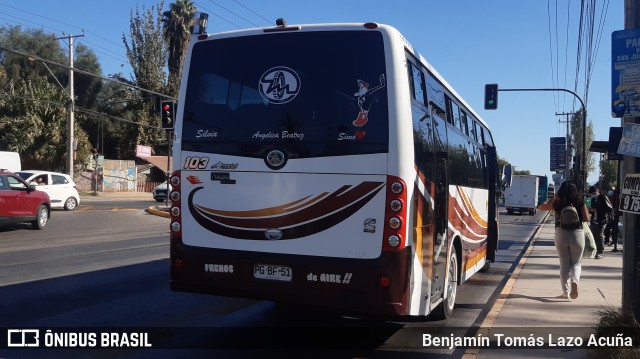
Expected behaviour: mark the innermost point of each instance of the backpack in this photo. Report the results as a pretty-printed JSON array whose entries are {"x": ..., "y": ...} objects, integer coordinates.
[
  {"x": 609, "y": 212},
  {"x": 569, "y": 218}
]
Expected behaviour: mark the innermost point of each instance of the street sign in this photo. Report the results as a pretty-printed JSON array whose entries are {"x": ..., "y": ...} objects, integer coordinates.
[
  {"x": 625, "y": 73},
  {"x": 143, "y": 151},
  {"x": 558, "y": 154},
  {"x": 615, "y": 135},
  {"x": 630, "y": 141},
  {"x": 630, "y": 194}
]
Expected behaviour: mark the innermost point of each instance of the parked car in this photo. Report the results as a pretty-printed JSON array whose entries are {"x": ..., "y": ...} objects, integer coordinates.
[
  {"x": 160, "y": 192},
  {"x": 20, "y": 202},
  {"x": 60, "y": 187}
]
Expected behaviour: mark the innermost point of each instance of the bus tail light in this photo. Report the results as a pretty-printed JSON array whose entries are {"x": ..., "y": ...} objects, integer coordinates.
[
  {"x": 175, "y": 228},
  {"x": 384, "y": 281},
  {"x": 395, "y": 214}
]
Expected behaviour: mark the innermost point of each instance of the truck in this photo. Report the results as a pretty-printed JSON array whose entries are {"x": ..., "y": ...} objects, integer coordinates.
[
  {"x": 543, "y": 189},
  {"x": 522, "y": 195},
  {"x": 10, "y": 161}
]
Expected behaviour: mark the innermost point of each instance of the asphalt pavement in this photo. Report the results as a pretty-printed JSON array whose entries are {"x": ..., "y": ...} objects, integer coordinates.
[
  {"x": 158, "y": 209},
  {"x": 528, "y": 305}
]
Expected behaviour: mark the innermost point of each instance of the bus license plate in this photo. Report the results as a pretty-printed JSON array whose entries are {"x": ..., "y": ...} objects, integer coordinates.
[{"x": 272, "y": 272}]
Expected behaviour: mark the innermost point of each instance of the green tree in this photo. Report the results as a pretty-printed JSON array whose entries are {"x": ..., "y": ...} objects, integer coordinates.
[
  {"x": 147, "y": 54},
  {"x": 34, "y": 42},
  {"x": 177, "y": 22},
  {"x": 33, "y": 120},
  {"x": 34, "y": 107},
  {"x": 112, "y": 136},
  {"x": 86, "y": 88},
  {"x": 608, "y": 174}
]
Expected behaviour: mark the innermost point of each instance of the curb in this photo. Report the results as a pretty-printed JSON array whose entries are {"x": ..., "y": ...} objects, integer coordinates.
[
  {"x": 158, "y": 212},
  {"x": 494, "y": 312}
]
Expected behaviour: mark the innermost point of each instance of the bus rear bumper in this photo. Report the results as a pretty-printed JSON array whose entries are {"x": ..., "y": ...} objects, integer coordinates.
[{"x": 348, "y": 284}]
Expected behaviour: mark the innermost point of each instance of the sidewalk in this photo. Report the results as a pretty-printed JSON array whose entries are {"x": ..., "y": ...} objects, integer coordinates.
[
  {"x": 528, "y": 303},
  {"x": 160, "y": 209},
  {"x": 109, "y": 195}
]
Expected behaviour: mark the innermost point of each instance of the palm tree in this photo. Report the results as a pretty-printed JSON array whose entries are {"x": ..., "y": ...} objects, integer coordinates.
[{"x": 176, "y": 23}]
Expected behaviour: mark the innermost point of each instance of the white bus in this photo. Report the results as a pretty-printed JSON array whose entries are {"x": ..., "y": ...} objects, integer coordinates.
[{"x": 328, "y": 165}]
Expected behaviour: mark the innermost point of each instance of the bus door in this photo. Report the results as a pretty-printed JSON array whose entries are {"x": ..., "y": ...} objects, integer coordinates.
[
  {"x": 441, "y": 206},
  {"x": 494, "y": 192}
]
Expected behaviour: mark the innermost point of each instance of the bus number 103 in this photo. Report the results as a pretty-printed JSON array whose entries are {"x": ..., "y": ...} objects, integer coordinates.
[{"x": 195, "y": 163}]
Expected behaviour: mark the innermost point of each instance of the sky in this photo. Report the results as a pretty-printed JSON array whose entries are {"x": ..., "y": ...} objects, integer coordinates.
[{"x": 516, "y": 44}]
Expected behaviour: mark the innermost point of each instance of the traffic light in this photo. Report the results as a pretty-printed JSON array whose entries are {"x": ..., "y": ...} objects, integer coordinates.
[
  {"x": 167, "y": 114},
  {"x": 490, "y": 96}
]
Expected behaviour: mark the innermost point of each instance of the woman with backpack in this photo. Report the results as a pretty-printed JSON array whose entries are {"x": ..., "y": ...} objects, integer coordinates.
[{"x": 569, "y": 236}]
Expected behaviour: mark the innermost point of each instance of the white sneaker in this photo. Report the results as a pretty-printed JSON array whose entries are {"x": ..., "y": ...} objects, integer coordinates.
[
  {"x": 574, "y": 290},
  {"x": 563, "y": 296}
]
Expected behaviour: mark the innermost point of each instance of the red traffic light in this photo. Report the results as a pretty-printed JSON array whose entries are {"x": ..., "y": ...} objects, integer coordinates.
[{"x": 167, "y": 114}]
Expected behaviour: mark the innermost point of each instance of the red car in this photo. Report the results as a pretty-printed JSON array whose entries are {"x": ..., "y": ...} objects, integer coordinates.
[{"x": 20, "y": 202}]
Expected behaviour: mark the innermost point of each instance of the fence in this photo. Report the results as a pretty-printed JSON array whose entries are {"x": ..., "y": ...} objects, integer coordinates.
[
  {"x": 115, "y": 176},
  {"x": 146, "y": 186}
]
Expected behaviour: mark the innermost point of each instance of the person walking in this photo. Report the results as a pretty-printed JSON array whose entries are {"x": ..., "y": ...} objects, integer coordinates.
[
  {"x": 568, "y": 242},
  {"x": 598, "y": 218}
]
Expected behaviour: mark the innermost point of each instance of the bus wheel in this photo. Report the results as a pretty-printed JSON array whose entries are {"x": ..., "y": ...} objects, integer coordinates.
[{"x": 445, "y": 308}]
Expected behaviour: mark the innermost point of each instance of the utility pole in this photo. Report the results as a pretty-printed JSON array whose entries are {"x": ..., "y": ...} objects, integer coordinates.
[
  {"x": 71, "y": 143},
  {"x": 631, "y": 164},
  {"x": 569, "y": 152}
]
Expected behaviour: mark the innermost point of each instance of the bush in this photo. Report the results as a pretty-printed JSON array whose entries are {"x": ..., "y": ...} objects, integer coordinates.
[{"x": 611, "y": 322}]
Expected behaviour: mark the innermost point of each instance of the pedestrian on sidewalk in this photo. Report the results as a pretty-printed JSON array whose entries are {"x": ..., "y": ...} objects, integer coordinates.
[
  {"x": 598, "y": 218},
  {"x": 568, "y": 242}
]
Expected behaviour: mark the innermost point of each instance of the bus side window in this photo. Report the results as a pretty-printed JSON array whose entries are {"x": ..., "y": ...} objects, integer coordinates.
[
  {"x": 450, "y": 108},
  {"x": 417, "y": 81},
  {"x": 463, "y": 123},
  {"x": 472, "y": 129},
  {"x": 455, "y": 114}
]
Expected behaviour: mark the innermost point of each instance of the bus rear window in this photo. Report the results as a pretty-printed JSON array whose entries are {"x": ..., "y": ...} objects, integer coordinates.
[{"x": 311, "y": 93}]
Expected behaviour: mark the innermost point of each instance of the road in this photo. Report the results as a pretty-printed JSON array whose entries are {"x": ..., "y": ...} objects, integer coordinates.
[{"x": 106, "y": 266}]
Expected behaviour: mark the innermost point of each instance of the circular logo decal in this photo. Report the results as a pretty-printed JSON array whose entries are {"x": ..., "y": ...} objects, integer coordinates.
[
  {"x": 275, "y": 159},
  {"x": 279, "y": 85}
]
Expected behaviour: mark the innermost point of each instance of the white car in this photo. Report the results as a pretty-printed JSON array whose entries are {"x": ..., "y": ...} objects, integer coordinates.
[
  {"x": 160, "y": 192},
  {"x": 59, "y": 186}
]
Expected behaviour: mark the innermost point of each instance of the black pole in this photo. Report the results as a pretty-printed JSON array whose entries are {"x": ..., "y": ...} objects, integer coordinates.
[
  {"x": 168, "y": 174},
  {"x": 583, "y": 182}
]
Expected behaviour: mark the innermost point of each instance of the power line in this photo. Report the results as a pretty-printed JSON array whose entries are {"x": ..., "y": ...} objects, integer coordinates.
[
  {"x": 210, "y": 12},
  {"x": 33, "y": 99},
  {"x": 62, "y": 23},
  {"x": 26, "y": 25},
  {"x": 91, "y": 112},
  {"x": 238, "y": 16},
  {"x": 86, "y": 72},
  {"x": 255, "y": 13}
]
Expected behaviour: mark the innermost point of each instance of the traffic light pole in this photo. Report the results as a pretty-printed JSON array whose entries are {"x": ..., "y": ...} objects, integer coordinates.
[
  {"x": 583, "y": 182},
  {"x": 169, "y": 133}
]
